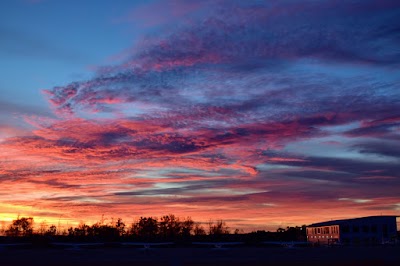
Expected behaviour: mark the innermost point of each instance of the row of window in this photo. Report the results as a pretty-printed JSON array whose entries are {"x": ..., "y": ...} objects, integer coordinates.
[
  {"x": 346, "y": 229},
  {"x": 363, "y": 228},
  {"x": 323, "y": 230}
]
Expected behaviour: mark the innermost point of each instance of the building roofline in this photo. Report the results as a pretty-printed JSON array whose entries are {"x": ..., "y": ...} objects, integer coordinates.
[{"x": 336, "y": 222}]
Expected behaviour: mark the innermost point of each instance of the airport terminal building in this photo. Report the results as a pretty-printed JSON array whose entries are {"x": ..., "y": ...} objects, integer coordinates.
[{"x": 358, "y": 231}]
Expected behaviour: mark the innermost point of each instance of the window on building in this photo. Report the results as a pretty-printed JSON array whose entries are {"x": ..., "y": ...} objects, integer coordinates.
[
  {"x": 385, "y": 230},
  {"x": 356, "y": 229},
  {"x": 319, "y": 230},
  {"x": 365, "y": 228},
  {"x": 346, "y": 229},
  {"x": 374, "y": 228}
]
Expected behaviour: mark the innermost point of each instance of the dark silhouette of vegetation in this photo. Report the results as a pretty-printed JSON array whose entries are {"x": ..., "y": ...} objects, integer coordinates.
[
  {"x": 145, "y": 227},
  {"x": 149, "y": 229},
  {"x": 217, "y": 229},
  {"x": 52, "y": 231},
  {"x": 21, "y": 227},
  {"x": 199, "y": 230}
]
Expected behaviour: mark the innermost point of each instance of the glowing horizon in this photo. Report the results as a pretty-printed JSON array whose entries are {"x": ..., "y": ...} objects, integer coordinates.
[{"x": 263, "y": 115}]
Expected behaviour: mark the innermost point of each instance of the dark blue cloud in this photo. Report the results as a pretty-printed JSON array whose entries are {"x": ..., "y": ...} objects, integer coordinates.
[
  {"x": 253, "y": 39},
  {"x": 381, "y": 147}
]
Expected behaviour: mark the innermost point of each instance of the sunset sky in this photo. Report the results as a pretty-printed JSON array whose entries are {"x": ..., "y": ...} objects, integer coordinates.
[{"x": 260, "y": 113}]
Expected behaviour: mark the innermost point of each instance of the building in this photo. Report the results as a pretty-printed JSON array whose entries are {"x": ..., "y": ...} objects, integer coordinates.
[{"x": 358, "y": 231}]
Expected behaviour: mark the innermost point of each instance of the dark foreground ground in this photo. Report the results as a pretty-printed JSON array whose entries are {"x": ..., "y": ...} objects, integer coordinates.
[{"x": 203, "y": 256}]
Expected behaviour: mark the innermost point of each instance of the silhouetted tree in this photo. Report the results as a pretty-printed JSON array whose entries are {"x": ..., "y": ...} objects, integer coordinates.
[
  {"x": 199, "y": 230},
  {"x": 70, "y": 231},
  {"x": 21, "y": 227},
  {"x": 120, "y": 226},
  {"x": 3, "y": 228},
  {"x": 110, "y": 231},
  {"x": 169, "y": 226},
  {"x": 42, "y": 228},
  {"x": 219, "y": 228},
  {"x": 280, "y": 230},
  {"x": 146, "y": 227},
  {"x": 81, "y": 231},
  {"x": 187, "y": 227},
  {"x": 295, "y": 233},
  {"x": 52, "y": 231}
]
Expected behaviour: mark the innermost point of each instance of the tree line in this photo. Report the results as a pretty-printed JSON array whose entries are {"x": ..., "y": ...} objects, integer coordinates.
[{"x": 168, "y": 227}]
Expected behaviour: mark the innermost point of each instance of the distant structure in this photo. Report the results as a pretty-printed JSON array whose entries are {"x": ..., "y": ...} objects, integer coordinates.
[{"x": 358, "y": 231}]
